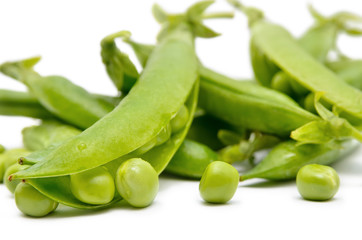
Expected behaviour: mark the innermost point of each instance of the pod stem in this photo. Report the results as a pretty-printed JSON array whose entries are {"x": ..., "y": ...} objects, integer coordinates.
[
  {"x": 21, "y": 70},
  {"x": 253, "y": 14},
  {"x": 218, "y": 15}
]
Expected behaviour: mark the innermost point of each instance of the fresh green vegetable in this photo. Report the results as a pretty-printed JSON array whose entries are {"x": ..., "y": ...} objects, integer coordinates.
[
  {"x": 137, "y": 182},
  {"x": 31, "y": 202},
  {"x": 219, "y": 182},
  {"x": 317, "y": 182}
]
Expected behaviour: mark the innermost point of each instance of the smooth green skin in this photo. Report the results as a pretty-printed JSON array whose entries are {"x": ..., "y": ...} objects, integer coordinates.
[
  {"x": 349, "y": 70},
  {"x": 180, "y": 119},
  {"x": 137, "y": 182},
  {"x": 118, "y": 65},
  {"x": 191, "y": 160},
  {"x": 219, "y": 182},
  {"x": 282, "y": 49},
  {"x": 57, "y": 188},
  {"x": 257, "y": 106},
  {"x": 264, "y": 69},
  {"x": 2, "y": 149},
  {"x": 281, "y": 82},
  {"x": 95, "y": 186},
  {"x": 78, "y": 107},
  {"x": 31, "y": 202},
  {"x": 15, "y": 103},
  {"x": 204, "y": 129},
  {"x": 11, "y": 185},
  {"x": 159, "y": 93},
  {"x": 228, "y": 94},
  {"x": 165, "y": 134},
  {"x": 317, "y": 182},
  {"x": 48, "y": 132},
  {"x": 284, "y": 161},
  {"x": 9, "y": 158}
]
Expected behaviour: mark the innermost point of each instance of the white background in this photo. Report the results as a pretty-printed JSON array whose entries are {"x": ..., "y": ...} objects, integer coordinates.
[{"x": 67, "y": 35}]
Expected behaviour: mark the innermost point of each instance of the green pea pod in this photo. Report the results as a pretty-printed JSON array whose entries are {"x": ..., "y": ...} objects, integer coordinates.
[
  {"x": 191, "y": 160},
  {"x": 118, "y": 65},
  {"x": 319, "y": 40},
  {"x": 170, "y": 75},
  {"x": 264, "y": 69},
  {"x": 284, "y": 161},
  {"x": 49, "y": 132},
  {"x": 258, "y": 107},
  {"x": 348, "y": 70},
  {"x": 329, "y": 128},
  {"x": 78, "y": 106},
  {"x": 228, "y": 94},
  {"x": 14, "y": 103},
  {"x": 57, "y": 188}
]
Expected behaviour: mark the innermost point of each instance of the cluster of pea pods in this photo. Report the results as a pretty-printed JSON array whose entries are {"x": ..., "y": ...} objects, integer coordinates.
[{"x": 180, "y": 117}]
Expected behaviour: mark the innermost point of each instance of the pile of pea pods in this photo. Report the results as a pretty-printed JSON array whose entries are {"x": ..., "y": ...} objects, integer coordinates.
[{"x": 179, "y": 117}]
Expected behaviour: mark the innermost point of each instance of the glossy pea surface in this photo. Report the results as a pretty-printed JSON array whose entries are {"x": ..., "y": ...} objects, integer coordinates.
[
  {"x": 137, "y": 182},
  {"x": 219, "y": 182},
  {"x": 317, "y": 182},
  {"x": 180, "y": 120},
  {"x": 95, "y": 186},
  {"x": 31, "y": 202}
]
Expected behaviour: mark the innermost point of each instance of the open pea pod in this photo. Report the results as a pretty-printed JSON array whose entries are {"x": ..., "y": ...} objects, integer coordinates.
[
  {"x": 142, "y": 115},
  {"x": 58, "y": 188},
  {"x": 284, "y": 160},
  {"x": 79, "y": 107}
]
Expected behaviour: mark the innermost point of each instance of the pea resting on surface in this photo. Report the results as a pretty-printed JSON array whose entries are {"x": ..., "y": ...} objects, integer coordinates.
[
  {"x": 219, "y": 182},
  {"x": 137, "y": 182},
  {"x": 31, "y": 202},
  {"x": 317, "y": 182},
  {"x": 95, "y": 186}
]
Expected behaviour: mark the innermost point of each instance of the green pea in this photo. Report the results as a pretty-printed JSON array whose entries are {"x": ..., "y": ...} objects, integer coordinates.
[
  {"x": 11, "y": 185},
  {"x": 219, "y": 182},
  {"x": 2, "y": 148},
  {"x": 180, "y": 119},
  {"x": 164, "y": 135},
  {"x": 31, "y": 202},
  {"x": 137, "y": 182},
  {"x": 95, "y": 186},
  {"x": 317, "y": 182}
]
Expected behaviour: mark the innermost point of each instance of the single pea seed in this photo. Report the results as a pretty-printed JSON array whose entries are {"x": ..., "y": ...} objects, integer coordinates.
[
  {"x": 180, "y": 120},
  {"x": 317, "y": 182},
  {"x": 219, "y": 182},
  {"x": 137, "y": 182},
  {"x": 31, "y": 202},
  {"x": 11, "y": 185},
  {"x": 164, "y": 135},
  {"x": 95, "y": 186}
]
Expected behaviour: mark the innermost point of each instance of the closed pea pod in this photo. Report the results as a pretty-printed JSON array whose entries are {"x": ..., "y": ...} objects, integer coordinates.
[
  {"x": 282, "y": 49},
  {"x": 15, "y": 103},
  {"x": 78, "y": 106},
  {"x": 284, "y": 161}
]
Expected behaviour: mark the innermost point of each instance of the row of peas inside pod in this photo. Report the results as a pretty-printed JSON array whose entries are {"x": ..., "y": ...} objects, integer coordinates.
[{"x": 179, "y": 117}]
